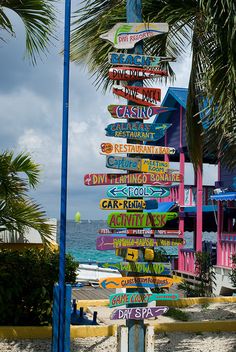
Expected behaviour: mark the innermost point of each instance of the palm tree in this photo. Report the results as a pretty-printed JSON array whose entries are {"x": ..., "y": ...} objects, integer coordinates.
[
  {"x": 18, "y": 211},
  {"x": 38, "y": 17},
  {"x": 209, "y": 27}
]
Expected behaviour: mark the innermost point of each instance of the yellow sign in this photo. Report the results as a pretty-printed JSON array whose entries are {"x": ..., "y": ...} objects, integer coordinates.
[
  {"x": 128, "y": 254},
  {"x": 149, "y": 254},
  {"x": 154, "y": 166},
  {"x": 122, "y": 204}
]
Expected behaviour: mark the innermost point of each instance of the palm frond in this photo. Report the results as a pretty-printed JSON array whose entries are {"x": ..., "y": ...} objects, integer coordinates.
[{"x": 39, "y": 19}]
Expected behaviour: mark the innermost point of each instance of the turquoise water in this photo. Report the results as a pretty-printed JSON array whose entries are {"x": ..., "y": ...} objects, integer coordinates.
[{"x": 81, "y": 241}]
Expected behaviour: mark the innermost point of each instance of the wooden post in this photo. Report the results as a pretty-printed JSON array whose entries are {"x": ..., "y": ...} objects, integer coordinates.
[
  {"x": 136, "y": 328},
  {"x": 199, "y": 209},
  {"x": 219, "y": 227},
  {"x": 181, "y": 187}
]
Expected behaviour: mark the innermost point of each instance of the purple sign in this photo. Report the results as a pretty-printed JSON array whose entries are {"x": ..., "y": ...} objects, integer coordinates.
[
  {"x": 138, "y": 313},
  {"x": 104, "y": 243}
]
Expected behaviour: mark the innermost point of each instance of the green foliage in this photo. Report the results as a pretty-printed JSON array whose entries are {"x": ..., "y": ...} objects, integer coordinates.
[
  {"x": 206, "y": 277},
  {"x": 208, "y": 26},
  {"x": 177, "y": 314},
  {"x": 38, "y": 17},
  {"x": 26, "y": 285},
  {"x": 232, "y": 275},
  {"x": 205, "y": 274},
  {"x": 18, "y": 211}
]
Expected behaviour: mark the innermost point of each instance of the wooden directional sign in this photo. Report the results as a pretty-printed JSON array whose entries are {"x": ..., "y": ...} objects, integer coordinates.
[
  {"x": 133, "y": 254},
  {"x": 127, "y": 204},
  {"x": 128, "y": 254},
  {"x": 140, "y": 267},
  {"x": 121, "y": 148},
  {"x": 105, "y": 243},
  {"x": 126, "y": 73},
  {"x": 121, "y": 299},
  {"x": 137, "y": 191},
  {"x": 138, "y": 281},
  {"x": 126, "y": 35},
  {"x": 139, "y": 220},
  {"x": 136, "y": 164},
  {"x": 136, "y": 111},
  {"x": 154, "y": 179},
  {"x": 137, "y": 130},
  {"x": 138, "y": 313},
  {"x": 137, "y": 60},
  {"x": 140, "y": 232},
  {"x": 141, "y": 95}
]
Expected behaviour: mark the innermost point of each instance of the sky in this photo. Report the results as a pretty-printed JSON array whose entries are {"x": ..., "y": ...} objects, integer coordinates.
[{"x": 31, "y": 119}]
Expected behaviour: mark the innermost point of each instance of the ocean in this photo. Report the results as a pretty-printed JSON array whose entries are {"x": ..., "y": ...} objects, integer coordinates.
[{"x": 81, "y": 241}]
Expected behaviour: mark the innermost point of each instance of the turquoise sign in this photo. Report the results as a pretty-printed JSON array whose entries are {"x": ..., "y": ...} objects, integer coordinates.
[{"x": 121, "y": 299}]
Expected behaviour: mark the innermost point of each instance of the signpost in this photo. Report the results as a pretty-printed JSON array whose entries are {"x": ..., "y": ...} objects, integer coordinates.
[
  {"x": 105, "y": 243},
  {"x": 141, "y": 232},
  {"x": 137, "y": 191},
  {"x": 141, "y": 95},
  {"x": 137, "y": 60},
  {"x": 138, "y": 313},
  {"x": 138, "y": 281},
  {"x": 136, "y": 164},
  {"x": 136, "y": 112},
  {"x": 121, "y": 148},
  {"x": 126, "y": 73},
  {"x": 127, "y": 204},
  {"x": 137, "y": 130},
  {"x": 161, "y": 178},
  {"x": 126, "y": 35},
  {"x": 139, "y": 220},
  {"x": 139, "y": 267},
  {"x": 121, "y": 299}
]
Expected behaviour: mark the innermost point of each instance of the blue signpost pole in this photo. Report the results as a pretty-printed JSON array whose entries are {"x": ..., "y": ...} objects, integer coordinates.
[
  {"x": 136, "y": 328},
  {"x": 64, "y": 176}
]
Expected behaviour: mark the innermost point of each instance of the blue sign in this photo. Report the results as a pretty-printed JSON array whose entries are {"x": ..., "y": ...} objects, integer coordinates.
[
  {"x": 137, "y": 130},
  {"x": 137, "y": 191},
  {"x": 136, "y": 60}
]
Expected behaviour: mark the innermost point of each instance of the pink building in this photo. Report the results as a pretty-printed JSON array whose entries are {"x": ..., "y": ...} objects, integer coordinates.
[{"x": 199, "y": 208}]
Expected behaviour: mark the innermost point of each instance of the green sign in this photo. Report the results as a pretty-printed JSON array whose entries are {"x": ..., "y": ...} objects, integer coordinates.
[{"x": 139, "y": 220}]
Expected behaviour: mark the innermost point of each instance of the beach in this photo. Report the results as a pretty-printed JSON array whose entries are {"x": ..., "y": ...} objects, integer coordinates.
[
  {"x": 171, "y": 342},
  {"x": 164, "y": 342}
]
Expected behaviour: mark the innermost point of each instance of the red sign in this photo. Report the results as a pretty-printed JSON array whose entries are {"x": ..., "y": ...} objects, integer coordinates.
[
  {"x": 162, "y": 178},
  {"x": 124, "y": 73},
  {"x": 141, "y": 95},
  {"x": 144, "y": 232}
]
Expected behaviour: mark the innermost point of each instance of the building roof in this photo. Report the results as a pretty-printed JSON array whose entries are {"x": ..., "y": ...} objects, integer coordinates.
[{"x": 173, "y": 96}]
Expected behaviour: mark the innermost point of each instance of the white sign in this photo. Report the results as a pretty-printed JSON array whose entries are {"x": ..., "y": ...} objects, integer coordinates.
[{"x": 126, "y": 35}]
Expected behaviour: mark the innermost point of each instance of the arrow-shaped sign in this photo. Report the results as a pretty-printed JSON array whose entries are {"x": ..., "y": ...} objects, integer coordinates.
[
  {"x": 137, "y": 191},
  {"x": 126, "y": 35},
  {"x": 139, "y": 220},
  {"x": 136, "y": 112},
  {"x": 139, "y": 267},
  {"x": 122, "y": 148},
  {"x": 161, "y": 178},
  {"x": 138, "y": 313},
  {"x": 104, "y": 243},
  {"x": 140, "y": 95},
  {"x": 144, "y": 232},
  {"x": 121, "y": 299},
  {"x": 138, "y": 281},
  {"x": 137, "y": 130},
  {"x": 137, "y": 60},
  {"x": 126, "y": 73},
  {"x": 128, "y": 204}
]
